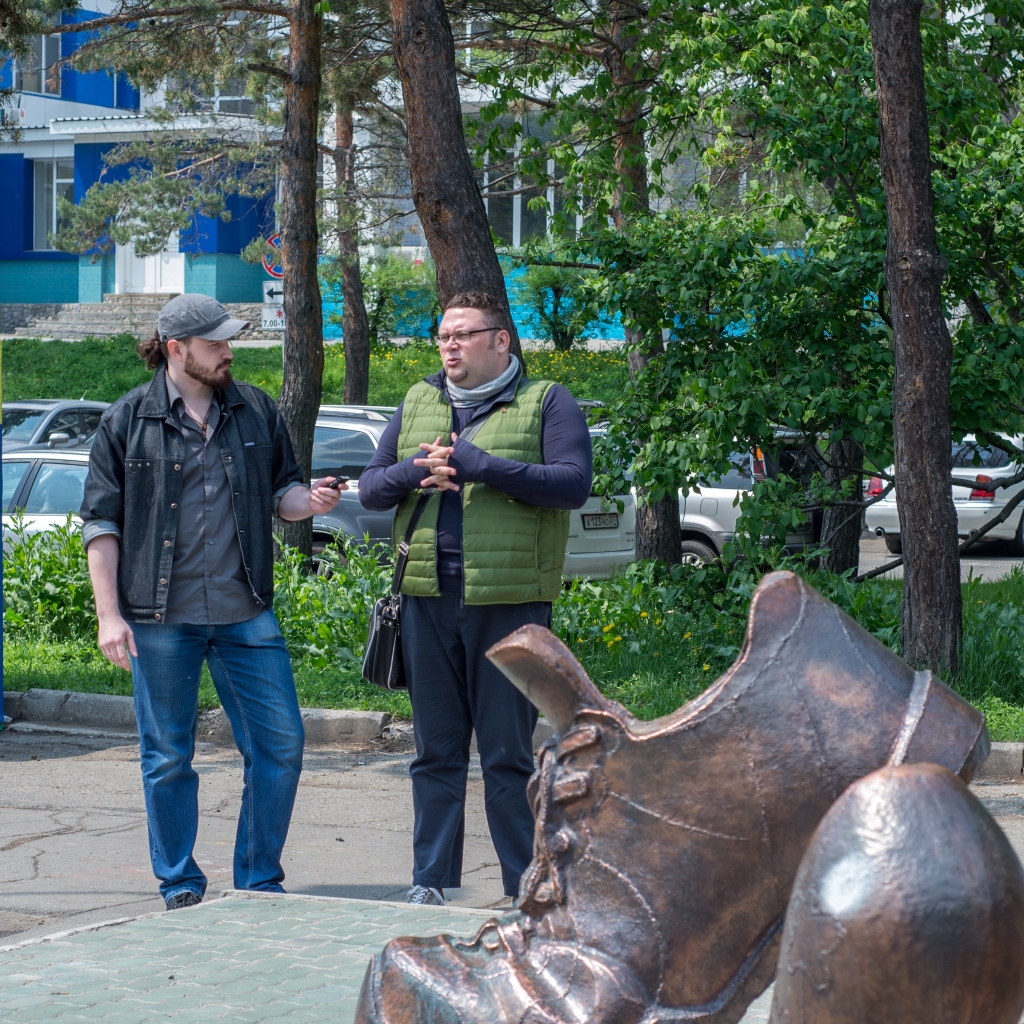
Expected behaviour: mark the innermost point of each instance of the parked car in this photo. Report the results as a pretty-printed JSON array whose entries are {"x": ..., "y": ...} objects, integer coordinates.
[
  {"x": 976, "y": 504},
  {"x": 48, "y": 483},
  {"x": 49, "y": 421},
  {"x": 344, "y": 441},
  {"x": 45, "y": 484},
  {"x": 708, "y": 514}
]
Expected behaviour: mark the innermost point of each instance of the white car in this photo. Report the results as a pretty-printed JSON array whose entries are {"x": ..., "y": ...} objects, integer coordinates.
[
  {"x": 45, "y": 484},
  {"x": 976, "y": 504}
]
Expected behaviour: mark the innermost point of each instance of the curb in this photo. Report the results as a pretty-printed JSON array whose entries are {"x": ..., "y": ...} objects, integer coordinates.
[
  {"x": 102, "y": 716},
  {"x": 1005, "y": 764},
  {"x": 323, "y": 726}
]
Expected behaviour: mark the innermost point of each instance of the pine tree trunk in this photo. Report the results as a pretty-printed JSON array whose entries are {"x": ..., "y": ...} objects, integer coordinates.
[
  {"x": 303, "y": 350},
  {"x": 444, "y": 187},
  {"x": 923, "y": 350},
  {"x": 841, "y": 525},
  {"x": 355, "y": 324}
]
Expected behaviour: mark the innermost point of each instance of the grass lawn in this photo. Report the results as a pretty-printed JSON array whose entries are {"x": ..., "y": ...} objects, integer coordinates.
[
  {"x": 104, "y": 369},
  {"x": 649, "y": 666}
]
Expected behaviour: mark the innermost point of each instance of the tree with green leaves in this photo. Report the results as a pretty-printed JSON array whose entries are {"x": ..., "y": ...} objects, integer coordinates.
[
  {"x": 767, "y": 114},
  {"x": 278, "y": 53}
]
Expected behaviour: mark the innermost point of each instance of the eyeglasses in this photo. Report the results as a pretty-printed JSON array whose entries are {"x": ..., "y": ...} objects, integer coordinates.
[{"x": 461, "y": 337}]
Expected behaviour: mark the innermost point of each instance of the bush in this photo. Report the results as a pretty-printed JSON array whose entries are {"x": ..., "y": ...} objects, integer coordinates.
[
  {"x": 651, "y": 637},
  {"x": 558, "y": 303},
  {"x": 47, "y": 591}
]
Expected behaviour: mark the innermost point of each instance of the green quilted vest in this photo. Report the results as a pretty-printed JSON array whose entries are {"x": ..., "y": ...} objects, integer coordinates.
[{"x": 511, "y": 552}]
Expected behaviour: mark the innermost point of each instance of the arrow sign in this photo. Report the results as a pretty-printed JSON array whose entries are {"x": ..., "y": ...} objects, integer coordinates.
[{"x": 273, "y": 293}]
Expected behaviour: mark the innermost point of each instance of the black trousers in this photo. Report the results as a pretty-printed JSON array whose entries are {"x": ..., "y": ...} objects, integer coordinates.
[{"x": 455, "y": 690}]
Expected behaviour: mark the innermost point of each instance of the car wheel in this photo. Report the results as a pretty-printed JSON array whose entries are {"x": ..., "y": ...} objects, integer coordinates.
[
  {"x": 893, "y": 543},
  {"x": 694, "y": 552}
]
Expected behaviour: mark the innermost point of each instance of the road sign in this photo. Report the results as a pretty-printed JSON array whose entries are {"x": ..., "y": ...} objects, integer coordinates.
[
  {"x": 273, "y": 318},
  {"x": 273, "y": 293},
  {"x": 273, "y": 269}
]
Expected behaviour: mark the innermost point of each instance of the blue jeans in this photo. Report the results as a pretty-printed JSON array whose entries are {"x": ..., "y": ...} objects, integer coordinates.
[{"x": 253, "y": 676}]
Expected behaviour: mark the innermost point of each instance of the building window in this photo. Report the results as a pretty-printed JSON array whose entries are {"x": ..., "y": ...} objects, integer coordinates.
[
  {"x": 54, "y": 179},
  {"x": 231, "y": 99},
  {"x": 40, "y": 70}
]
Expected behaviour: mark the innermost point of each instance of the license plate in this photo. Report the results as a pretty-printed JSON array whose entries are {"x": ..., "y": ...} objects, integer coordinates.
[{"x": 601, "y": 521}]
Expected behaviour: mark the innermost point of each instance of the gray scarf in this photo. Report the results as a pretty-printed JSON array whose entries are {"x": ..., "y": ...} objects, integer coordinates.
[{"x": 463, "y": 398}]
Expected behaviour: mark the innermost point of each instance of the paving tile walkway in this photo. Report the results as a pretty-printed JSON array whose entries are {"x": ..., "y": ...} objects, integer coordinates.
[
  {"x": 238, "y": 959},
  {"x": 245, "y": 959}
]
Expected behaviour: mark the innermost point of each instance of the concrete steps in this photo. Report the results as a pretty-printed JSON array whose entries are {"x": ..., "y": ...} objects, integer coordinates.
[{"x": 128, "y": 314}]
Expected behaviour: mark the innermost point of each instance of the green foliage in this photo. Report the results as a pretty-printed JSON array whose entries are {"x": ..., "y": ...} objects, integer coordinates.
[
  {"x": 324, "y": 616},
  {"x": 400, "y": 296},
  {"x": 47, "y": 591},
  {"x": 651, "y": 636},
  {"x": 103, "y": 370},
  {"x": 561, "y": 308}
]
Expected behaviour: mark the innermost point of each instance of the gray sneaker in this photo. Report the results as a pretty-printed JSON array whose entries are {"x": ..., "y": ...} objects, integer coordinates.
[{"x": 425, "y": 896}]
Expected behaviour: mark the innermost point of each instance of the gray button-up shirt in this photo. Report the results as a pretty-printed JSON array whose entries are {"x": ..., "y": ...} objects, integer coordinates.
[{"x": 208, "y": 584}]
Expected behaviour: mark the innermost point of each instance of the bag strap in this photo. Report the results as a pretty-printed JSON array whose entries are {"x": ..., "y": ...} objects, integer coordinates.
[{"x": 403, "y": 547}]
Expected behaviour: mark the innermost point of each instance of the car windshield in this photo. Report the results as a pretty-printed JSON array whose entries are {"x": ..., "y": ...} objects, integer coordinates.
[
  {"x": 970, "y": 455},
  {"x": 21, "y": 424},
  {"x": 738, "y": 476},
  {"x": 57, "y": 489},
  {"x": 338, "y": 451}
]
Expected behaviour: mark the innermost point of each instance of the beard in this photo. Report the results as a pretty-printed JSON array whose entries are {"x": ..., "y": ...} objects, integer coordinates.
[{"x": 218, "y": 379}]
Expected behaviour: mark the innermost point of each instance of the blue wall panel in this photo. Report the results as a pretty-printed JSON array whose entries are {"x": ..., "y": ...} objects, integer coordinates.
[
  {"x": 39, "y": 280},
  {"x": 250, "y": 218},
  {"x": 12, "y": 188}
]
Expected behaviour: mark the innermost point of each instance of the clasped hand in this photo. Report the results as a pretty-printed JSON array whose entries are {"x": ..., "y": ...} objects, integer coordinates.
[{"x": 436, "y": 460}]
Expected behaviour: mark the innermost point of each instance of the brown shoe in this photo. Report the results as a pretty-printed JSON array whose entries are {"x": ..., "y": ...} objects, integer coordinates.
[
  {"x": 665, "y": 851},
  {"x": 908, "y": 906}
]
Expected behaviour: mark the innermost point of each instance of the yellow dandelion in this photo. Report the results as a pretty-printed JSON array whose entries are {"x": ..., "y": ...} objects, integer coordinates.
[
  {"x": 618, "y": 638},
  {"x": 657, "y": 622},
  {"x": 686, "y": 636},
  {"x": 707, "y": 668},
  {"x": 643, "y": 615},
  {"x": 608, "y": 628}
]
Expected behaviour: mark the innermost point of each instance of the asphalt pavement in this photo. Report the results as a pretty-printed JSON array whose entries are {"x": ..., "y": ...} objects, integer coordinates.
[
  {"x": 988, "y": 561},
  {"x": 74, "y": 846}
]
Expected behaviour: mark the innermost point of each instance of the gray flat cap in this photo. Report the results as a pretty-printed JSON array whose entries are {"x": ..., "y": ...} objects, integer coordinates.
[{"x": 198, "y": 315}]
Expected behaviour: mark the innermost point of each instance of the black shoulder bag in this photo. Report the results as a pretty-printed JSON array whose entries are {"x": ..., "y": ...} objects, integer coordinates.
[{"x": 382, "y": 662}]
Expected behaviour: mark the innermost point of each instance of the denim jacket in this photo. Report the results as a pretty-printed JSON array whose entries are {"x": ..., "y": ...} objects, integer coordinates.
[{"x": 134, "y": 485}]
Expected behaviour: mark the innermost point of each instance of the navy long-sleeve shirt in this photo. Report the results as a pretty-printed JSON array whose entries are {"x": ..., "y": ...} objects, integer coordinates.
[{"x": 562, "y": 480}]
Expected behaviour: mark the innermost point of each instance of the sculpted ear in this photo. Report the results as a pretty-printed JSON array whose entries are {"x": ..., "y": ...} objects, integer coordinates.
[{"x": 543, "y": 669}]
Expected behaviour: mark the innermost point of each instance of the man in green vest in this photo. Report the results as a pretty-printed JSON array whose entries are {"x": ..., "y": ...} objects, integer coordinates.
[{"x": 509, "y": 457}]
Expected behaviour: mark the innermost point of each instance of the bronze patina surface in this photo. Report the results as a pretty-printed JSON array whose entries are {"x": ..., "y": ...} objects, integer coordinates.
[
  {"x": 665, "y": 851},
  {"x": 908, "y": 906}
]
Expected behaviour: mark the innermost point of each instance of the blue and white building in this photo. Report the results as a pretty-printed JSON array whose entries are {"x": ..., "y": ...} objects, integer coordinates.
[{"x": 68, "y": 120}]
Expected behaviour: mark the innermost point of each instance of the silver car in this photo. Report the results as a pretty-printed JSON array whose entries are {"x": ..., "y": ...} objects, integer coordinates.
[
  {"x": 976, "y": 504},
  {"x": 708, "y": 514},
  {"x": 51, "y": 421}
]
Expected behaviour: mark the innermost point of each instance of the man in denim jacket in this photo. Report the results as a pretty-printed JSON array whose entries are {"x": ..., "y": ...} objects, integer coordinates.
[{"x": 185, "y": 475}]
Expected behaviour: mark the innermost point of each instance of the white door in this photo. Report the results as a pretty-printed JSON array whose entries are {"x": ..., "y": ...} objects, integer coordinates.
[{"x": 148, "y": 275}]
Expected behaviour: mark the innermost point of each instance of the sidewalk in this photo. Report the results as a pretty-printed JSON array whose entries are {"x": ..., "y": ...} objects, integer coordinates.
[
  {"x": 245, "y": 958},
  {"x": 74, "y": 853}
]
